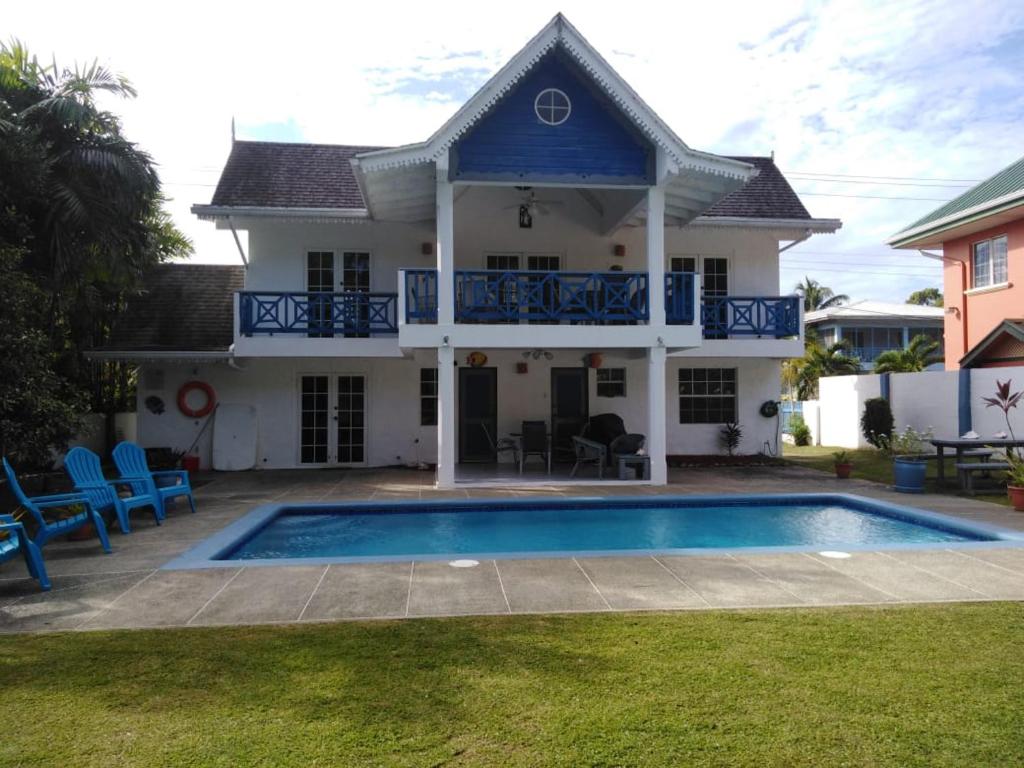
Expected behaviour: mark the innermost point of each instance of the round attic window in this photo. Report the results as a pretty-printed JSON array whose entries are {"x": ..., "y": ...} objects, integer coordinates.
[{"x": 552, "y": 106}]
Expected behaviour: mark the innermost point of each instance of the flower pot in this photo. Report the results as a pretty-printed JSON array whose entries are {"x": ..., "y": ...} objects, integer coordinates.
[
  {"x": 1016, "y": 494},
  {"x": 843, "y": 470},
  {"x": 909, "y": 474}
]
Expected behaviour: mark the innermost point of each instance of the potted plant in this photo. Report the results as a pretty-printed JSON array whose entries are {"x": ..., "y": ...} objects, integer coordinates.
[
  {"x": 1015, "y": 480},
  {"x": 843, "y": 465},
  {"x": 909, "y": 460}
]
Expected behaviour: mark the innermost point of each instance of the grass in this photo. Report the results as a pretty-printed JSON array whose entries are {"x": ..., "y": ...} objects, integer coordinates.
[
  {"x": 871, "y": 464},
  {"x": 905, "y": 686}
]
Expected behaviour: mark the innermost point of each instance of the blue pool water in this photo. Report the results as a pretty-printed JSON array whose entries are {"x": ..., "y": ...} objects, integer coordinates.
[{"x": 486, "y": 528}]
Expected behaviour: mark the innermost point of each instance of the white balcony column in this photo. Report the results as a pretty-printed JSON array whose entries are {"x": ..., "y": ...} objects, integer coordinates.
[
  {"x": 446, "y": 417},
  {"x": 656, "y": 253},
  {"x": 656, "y": 414},
  {"x": 445, "y": 245}
]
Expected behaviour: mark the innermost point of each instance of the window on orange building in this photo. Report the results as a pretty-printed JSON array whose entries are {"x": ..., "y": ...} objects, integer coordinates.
[{"x": 989, "y": 262}]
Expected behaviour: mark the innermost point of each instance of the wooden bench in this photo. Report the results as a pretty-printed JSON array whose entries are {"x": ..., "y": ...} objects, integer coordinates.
[{"x": 966, "y": 469}]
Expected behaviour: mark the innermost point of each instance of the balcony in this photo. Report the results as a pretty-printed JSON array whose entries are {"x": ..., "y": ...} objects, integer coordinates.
[
  {"x": 487, "y": 296},
  {"x": 350, "y": 314},
  {"x": 776, "y": 317}
]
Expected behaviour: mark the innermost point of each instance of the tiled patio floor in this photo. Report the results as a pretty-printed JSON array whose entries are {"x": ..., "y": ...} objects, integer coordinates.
[{"x": 127, "y": 588}]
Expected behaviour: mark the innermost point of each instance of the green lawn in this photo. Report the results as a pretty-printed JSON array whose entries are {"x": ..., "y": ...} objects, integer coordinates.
[
  {"x": 903, "y": 686},
  {"x": 871, "y": 464}
]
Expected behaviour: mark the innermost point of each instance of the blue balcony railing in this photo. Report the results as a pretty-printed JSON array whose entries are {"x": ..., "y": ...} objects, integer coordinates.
[
  {"x": 347, "y": 313},
  {"x": 775, "y": 316},
  {"x": 679, "y": 298},
  {"x": 421, "y": 295},
  {"x": 495, "y": 296}
]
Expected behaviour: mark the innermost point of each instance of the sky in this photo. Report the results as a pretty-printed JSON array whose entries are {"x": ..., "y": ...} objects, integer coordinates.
[{"x": 877, "y": 112}]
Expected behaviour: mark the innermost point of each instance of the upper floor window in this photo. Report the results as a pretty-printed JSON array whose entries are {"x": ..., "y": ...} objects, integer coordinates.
[
  {"x": 989, "y": 262},
  {"x": 552, "y": 106}
]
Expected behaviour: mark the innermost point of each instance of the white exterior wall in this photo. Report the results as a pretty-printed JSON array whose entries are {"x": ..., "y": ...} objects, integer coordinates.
[
  {"x": 482, "y": 225},
  {"x": 271, "y": 386},
  {"x": 925, "y": 400},
  {"x": 841, "y": 401},
  {"x": 393, "y": 405}
]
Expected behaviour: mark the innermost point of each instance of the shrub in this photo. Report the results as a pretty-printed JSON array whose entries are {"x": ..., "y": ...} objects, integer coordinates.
[
  {"x": 876, "y": 423},
  {"x": 732, "y": 433},
  {"x": 799, "y": 430}
]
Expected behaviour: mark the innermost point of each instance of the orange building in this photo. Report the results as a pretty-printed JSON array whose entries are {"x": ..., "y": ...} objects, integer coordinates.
[{"x": 981, "y": 234}]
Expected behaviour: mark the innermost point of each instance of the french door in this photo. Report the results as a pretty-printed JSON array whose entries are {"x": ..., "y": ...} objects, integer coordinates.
[
  {"x": 328, "y": 272},
  {"x": 714, "y": 271},
  {"x": 332, "y": 419}
]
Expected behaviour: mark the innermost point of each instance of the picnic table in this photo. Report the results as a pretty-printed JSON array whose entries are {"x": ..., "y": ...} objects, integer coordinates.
[{"x": 961, "y": 444}]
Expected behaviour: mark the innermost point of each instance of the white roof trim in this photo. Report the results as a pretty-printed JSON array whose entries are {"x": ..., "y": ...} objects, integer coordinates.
[
  {"x": 557, "y": 32},
  {"x": 826, "y": 226},
  {"x": 214, "y": 212},
  {"x": 946, "y": 222}
]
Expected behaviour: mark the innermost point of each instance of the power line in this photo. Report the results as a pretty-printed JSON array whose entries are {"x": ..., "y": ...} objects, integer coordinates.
[
  {"x": 799, "y": 177},
  {"x": 894, "y": 178},
  {"x": 870, "y": 197}
]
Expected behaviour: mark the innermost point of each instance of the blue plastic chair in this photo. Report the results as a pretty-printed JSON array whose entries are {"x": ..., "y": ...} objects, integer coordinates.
[
  {"x": 86, "y": 473},
  {"x": 17, "y": 541},
  {"x": 131, "y": 462},
  {"x": 47, "y": 530}
]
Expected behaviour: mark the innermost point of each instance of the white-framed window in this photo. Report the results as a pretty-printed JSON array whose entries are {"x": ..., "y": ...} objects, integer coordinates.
[
  {"x": 988, "y": 265},
  {"x": 611, "y": 382},
  {"x": 552, "y": 106},
  {"x": 707, "y": 395},
  {"x": 428, "y": 397}
]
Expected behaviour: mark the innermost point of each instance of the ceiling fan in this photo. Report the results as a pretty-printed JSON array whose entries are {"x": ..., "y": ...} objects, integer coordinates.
[{"x": 533, "y": 203}]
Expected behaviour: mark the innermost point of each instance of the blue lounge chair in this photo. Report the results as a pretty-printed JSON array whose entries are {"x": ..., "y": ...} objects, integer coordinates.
[
  {"x": 18, "y": 541},
  {"x": 48, "y": 530},
  {"x": 84, "y": 468},
  {"x": 131, "y": 462}
]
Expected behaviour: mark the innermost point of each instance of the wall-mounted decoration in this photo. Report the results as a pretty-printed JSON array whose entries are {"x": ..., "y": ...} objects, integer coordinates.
[
  {"x": 476, "y": 359},
  {"x": 427, "y": 249},
  {"x": 619, "y": 250},
  {"x": 154, "y": 404},
  {"x": 593, "y": 360},
  {"x": 525, "y": 219},
  {"x": 522, "y": 367}
]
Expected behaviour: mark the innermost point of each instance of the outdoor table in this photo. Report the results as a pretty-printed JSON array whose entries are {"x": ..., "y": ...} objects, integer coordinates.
[{"x": 961, "y": 444}]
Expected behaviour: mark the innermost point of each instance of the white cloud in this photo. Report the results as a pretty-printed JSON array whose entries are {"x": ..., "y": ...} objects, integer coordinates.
[{"x": 921, "y": 89}]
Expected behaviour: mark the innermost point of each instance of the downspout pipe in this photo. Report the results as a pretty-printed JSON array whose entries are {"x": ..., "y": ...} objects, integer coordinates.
[{"x": 963, "y": 289}]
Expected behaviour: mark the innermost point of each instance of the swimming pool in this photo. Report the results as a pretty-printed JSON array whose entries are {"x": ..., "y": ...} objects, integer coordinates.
[{"x": 443, "y": 530}]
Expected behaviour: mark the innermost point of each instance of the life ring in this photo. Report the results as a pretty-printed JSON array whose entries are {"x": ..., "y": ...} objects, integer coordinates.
[{"x": 201, "y": 386}]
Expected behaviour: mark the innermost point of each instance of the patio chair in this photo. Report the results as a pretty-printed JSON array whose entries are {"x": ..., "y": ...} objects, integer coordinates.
[
  {"x": 131, "y": 462},
  {"x": 603, "y": 428},
  {"x": 47, "y": 529},
  {"x": 588, "y": 452},
  {"x": 534, "y": 443},
  {"x": 504, "y": 445},
  {"x": 17, "y": 541},
  {"x": 84, "y": 468}
]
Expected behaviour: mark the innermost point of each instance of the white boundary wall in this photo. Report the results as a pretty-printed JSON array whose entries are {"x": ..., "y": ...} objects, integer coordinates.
[{"x": 925, "y": 400}]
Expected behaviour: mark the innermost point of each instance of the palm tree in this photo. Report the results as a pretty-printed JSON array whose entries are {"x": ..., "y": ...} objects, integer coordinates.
[
  {"x": 818, "y": 296},
  {"x": 918, "y": 355},
  {"x": 832, "y": 360}
]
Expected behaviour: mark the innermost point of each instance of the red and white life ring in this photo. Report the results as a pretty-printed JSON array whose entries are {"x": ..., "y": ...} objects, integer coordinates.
[{"x": 199, "y": 386}]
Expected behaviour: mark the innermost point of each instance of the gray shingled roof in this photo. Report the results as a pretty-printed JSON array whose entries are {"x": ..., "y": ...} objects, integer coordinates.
[
  {"x": 185, "y": 307},
  {"x": 282, "y": 175},
  {"x": 267, "y": 174},
  {"x": 766, "y": 196}
]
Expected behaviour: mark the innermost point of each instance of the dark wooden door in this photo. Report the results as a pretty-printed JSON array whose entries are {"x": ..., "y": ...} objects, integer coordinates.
[
  {"x": 478, "y": 414},
  {"x": 570, "y": 408}
]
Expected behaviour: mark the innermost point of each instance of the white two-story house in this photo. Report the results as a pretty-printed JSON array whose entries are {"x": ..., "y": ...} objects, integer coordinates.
[{"x": 552, "y": 252}]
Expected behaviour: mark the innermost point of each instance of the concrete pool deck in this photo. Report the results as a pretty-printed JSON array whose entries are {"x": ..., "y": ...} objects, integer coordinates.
[{"x": 128, "y": 588}]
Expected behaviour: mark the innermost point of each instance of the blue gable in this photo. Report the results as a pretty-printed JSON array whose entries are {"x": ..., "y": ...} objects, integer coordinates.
[{"x": 595, "y": 144}]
